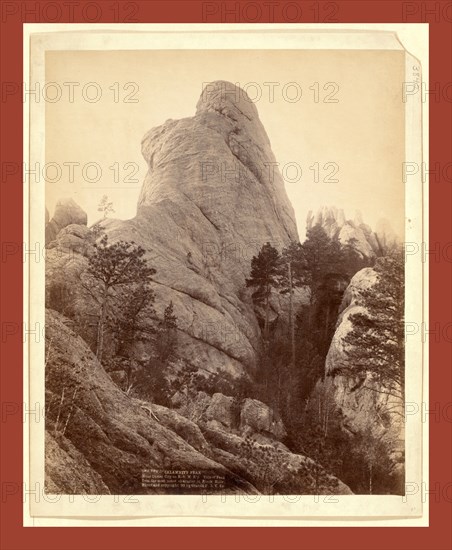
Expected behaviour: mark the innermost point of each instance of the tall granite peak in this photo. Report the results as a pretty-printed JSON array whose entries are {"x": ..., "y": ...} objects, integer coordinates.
[
  {"x": 220, "y": 160},
  {"x": 211, "y": 198},
  {"x": 226, "y": 98}
]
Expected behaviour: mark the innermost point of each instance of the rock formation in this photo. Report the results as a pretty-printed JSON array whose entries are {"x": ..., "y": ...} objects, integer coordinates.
[
  {"x": 99, "y": 440},
  {"x": 67, "y": 212},
  {"x": 333, "y": 220},
  {"x": 365, "y": 410},
  {"x": 211, "y": 198}
]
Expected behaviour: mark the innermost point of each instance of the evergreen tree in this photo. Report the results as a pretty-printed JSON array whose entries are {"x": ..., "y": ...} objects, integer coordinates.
[
  {"x": 105, "y": 206},
  {"x": 264, "y": 276},
  {"x": 322, "y": 255},
  {"x": 131, "y": 322},
  {"x": 376, "y": 341},
  {"x": 324, "y": 261},
  {"x": 132, "y": 315},
  {"x": 292, "y": 275},
  {"x": 112, "y": 267}
]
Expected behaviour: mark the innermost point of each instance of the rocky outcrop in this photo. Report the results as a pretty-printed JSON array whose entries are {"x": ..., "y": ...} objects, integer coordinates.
[
  {"x": 347, "y": 231},
  {"x": 221, "y": 410},
  {"x": 72, "y": 238},
  {"x": 117, "y": 436},
  {"x": 99, "y": 440},
  {"x": 256, "y": 417},
  {"x": 211, "y": 198},
  {"x": 67, "y": 212},
  {"x": 365, "y": 409},
  {"x": 67, "y": 470},
  {"x": 68, "y": 242},
  {"x": 362, "y": 280},
  {"x": 243, "y": 417}
]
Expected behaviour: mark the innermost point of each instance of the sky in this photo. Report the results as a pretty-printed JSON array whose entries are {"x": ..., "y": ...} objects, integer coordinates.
[{"x": 330, "y": 115}]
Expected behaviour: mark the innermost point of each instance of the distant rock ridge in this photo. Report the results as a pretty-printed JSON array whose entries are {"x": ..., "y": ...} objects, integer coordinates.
[{"x": 368, "y": 243}]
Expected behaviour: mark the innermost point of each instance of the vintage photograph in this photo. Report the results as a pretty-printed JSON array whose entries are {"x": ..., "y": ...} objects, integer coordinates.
[{"x": 225, "y": 271}]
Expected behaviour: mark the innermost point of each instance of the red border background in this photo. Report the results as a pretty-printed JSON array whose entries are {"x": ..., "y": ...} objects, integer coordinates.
[{"x": 436, "y": 537}]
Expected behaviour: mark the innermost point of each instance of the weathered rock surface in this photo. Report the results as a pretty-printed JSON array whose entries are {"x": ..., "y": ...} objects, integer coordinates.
[
  {"x": 99, "y": 440},
  {"x": 65, "y": 261},
  {"x": 116, "y": 435},
  {"x": 67, "y": 212},
  {"x": 211, "y": 198},
  {"x": 243, "y": 417},
  {"x": 72, "y": 238},
  {"x": 256, "y": 417},
  {"x": 221, "y": 410},
  {"x": 68, "y": 471},
  {"x": 366, "y": 409}
]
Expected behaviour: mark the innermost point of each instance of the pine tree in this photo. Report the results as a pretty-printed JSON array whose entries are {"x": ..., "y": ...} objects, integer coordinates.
[
  {"x": 114, "y": 266},
  {"x": 322, "y": 255},
  {"x": 264, "y": 276},
  {"x": 105, "y": 206},
  {"x": 134, "y": 311},
  {"x": 376, "y": 341},
  {"x": 131, "y": 322},
  {"x": 292, "y": 275}
]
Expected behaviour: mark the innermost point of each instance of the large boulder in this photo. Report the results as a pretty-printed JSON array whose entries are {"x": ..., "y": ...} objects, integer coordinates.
[
  {"x": 67, "y": 212},
  {"x": 72, "y": 238},
  {"x": 221, "y": 409},
  {"x": 256, "y": 417}
]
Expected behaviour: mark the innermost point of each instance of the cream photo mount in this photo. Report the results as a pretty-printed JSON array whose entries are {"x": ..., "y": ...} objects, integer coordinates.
[{"x": 42, "y": 509}]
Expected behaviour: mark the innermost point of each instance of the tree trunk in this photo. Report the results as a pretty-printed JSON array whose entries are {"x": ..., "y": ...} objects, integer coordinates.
[
  {"x": 267, "y": 292},
  {"x": 101, "y": 325},
  {"x": 292, "y": 334},
  {"x": 291, "y": 316},
  {"x": 327, "y": 323},
  {"x": 311, "y": 305},
  {"x": 266, "y": 331}
]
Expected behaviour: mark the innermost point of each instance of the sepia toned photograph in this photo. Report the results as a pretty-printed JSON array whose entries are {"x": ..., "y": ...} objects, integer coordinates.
[{"x": 224, "y": 279}]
